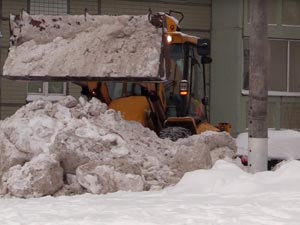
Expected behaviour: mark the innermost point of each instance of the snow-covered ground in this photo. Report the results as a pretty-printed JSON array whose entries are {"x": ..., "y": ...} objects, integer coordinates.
[{"x": 223, "y": 195}]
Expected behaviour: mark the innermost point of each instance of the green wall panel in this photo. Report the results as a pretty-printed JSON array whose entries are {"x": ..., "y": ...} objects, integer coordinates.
[
  {"x": 74, "y": 90},
  {"x": 227, "y": 54}
]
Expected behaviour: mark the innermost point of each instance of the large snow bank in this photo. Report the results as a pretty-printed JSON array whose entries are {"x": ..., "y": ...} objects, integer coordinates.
[
  {"x": 84, "y": 46},
  {"x": 224, "y": 195},
  {"x": 75, "y": 147}
]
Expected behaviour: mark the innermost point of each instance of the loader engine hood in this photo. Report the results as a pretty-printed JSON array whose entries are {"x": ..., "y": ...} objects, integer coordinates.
[{"x": 84, "y": 47}]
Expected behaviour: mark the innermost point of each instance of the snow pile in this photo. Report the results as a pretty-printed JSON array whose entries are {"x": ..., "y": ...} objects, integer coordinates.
[
  {"x": 224, "y": 195},
  {"x": 83, "y": 46},
  {"x": 228, "y": 178},
  {"x": 74, "y": 147},
  {"x": 282, "y": 144}
]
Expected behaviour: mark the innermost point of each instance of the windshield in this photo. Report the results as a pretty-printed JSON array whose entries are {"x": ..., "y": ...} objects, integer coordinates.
[
  {"x": 125, "y": 89},
  {"x": 191, "y": 104}
]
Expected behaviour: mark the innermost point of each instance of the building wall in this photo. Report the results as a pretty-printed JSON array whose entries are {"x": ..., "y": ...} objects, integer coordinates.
[
  {"x": 227, "y": 29},
  {"x": 227, "y": 55},
  {"x": 230, "y": 29},
  {"x": 197, "y": 21},
  {"x": 284, "y": 22}
]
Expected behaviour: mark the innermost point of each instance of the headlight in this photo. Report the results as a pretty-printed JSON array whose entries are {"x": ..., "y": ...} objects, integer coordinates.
[
  {"x": 169, "y": 38},
  {"x": 183, "y": 86}
]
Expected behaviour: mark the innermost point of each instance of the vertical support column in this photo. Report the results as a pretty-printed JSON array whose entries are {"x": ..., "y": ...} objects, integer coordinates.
[
  {"x": 68, "y": 6},
  {"x": 28, "y": 6},
  {"x": 1, "y": 17},
  {"x": 258, "y": 88},
  {"x": 99, "y": 7}
]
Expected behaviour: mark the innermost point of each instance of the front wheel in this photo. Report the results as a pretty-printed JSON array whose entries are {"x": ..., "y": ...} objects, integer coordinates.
[{"x": 174, "y": 133}]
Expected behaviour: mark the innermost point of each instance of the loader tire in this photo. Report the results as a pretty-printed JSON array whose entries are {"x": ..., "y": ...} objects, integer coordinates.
[{"x": 174, "y": 133}]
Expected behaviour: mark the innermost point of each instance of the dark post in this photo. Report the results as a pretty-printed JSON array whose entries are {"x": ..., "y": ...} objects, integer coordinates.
[{"x": 258, "y": 88}]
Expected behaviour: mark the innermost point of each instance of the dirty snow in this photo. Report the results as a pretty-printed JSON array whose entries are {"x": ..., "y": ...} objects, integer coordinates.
[
  {"x": 94, "y": 145},
  {"x": 224, "y": 195},
  {"x": 78, "y": 46}
]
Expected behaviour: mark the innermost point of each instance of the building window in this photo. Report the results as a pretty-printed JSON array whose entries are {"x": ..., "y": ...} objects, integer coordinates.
[
  {"x": 272, "y": 8},
  {"x": 48, "y": 90},
  {"x": 272, "y": 11},
  {"x": 284, "y": 68},
  {"x": 277, "y": 77},
  {"x": 294, "y": 70},
  {"x": 49, "y": 7},
  {"x": 291, "y": 12},
  {"x": 283, "y": 19},
  {"x": 51, "y": 91},
  {"x": 35, "y": 88}
]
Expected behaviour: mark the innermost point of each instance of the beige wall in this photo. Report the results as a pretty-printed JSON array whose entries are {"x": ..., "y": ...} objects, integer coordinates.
[
  {"x": 197, "y": 16},
  {"x": 78, "y": 6}
]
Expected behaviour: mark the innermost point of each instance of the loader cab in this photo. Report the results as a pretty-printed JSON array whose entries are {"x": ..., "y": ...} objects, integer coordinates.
[
  {"x": 185, "y": 89},
  {"x": 186, "y": 71}
]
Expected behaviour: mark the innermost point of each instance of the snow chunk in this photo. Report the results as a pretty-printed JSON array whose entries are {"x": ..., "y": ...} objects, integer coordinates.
[
  {"x": 41, "y": 176},
  {"x": 101, "y": 179}
]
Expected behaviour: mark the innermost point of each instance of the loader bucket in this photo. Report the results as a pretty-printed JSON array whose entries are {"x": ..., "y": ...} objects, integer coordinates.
[{"x": 84, "y": 47}]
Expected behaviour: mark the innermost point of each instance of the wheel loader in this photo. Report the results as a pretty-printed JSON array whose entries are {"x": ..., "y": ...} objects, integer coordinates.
[{"x": 142, "y": 66}]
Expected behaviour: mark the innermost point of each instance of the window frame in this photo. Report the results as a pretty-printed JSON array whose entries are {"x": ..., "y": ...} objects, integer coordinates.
[
  {"x": 279, "y": 93},
  {"x": 31, "y": 96},
  {"x": 278, "y": 30},
  {"x": 282, "y": 22}
]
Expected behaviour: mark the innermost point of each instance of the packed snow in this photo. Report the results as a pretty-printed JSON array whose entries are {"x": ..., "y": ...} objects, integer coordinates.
[
  {"x": 83, "y": 46},
  {"x": 224, "y": 195},
  {"x": 74, "y": 147},
  {"x": 282, "y": 144}
]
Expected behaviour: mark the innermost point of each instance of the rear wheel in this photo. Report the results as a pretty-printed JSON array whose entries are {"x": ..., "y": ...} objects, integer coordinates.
[{"x": 174, "y": 133}]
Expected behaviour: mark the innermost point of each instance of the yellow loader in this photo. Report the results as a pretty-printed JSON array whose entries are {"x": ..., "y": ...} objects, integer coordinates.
[{"x": 142, "y": 66}]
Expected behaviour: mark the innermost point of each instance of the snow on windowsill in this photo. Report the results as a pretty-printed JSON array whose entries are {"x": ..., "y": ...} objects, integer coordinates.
[
  {"x": 276, "y": 93},
  {"x": 51, "y": 98}
]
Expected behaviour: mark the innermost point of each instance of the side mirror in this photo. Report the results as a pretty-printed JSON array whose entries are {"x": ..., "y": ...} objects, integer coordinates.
[
  {"x": 203, "y": 47},
  {"x": 206, "y": 60},
  {"x": 204, "y": 100}
]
